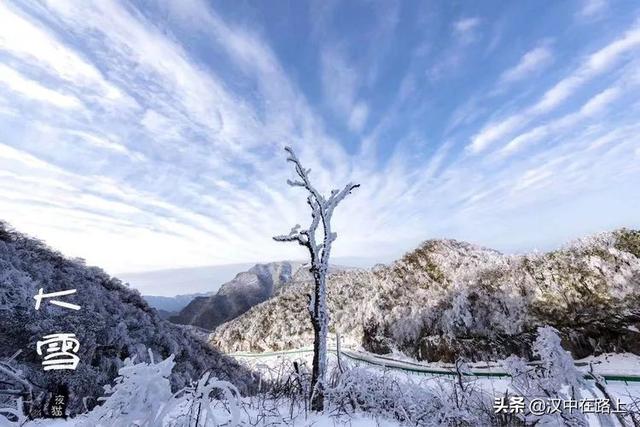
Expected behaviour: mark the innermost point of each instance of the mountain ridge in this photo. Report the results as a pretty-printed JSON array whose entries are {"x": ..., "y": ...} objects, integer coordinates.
[
  {"x": 233, "y": 298},
  {"x": 449, "y": 298}
]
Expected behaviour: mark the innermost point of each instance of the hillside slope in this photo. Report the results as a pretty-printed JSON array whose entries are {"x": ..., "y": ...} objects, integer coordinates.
[
  {"x": 113, "y": 323},
  {"x": 448, "y": 299}
]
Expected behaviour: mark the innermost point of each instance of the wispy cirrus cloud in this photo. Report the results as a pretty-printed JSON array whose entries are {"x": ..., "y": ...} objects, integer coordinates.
[
  {"x": 596, "y": 63},
  {"x": 341, "y": 82},
  {"x": 36, "y": 46},
  {"x": 148, "y": 136},
  {"x": 592, "y": 8},
  {"x": 31, "y": 89},
  {"x": 593, "y": 106},
  {"x": 465, "y": 29},
  {"x": 590, "y": 67},
  {"x": 530, "y": 63}
]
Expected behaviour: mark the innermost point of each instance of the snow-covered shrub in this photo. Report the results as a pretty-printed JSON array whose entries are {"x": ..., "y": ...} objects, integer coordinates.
[
  {"x": 208, "y": 402},
  {"x": 139, "y": 392},
  {"x": 141, "y": 397},
  {"x": 464, "y": 401},
  {"x": 12, "y": 416},
  {"x": 554, "y": 379},
  {"x": 14, "y": 390},
  {"x": 359, "y": 389}
]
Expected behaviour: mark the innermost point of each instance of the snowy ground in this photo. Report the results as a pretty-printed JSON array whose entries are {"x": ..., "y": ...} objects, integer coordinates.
[
  {"x": 250, "y": 417},
  {"x": 407, "y": 370},
  {"x": 144, "y": 393}
]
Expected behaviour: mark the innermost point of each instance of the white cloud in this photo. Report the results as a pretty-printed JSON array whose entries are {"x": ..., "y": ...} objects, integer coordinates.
[
  {"x": 358, "y": 116},
  {"x": 101, "y": 142},
  {"x": 591, "y": 8},
  {"x": 558, "y": 93},
  {"x": 594, "y": 106},
  {"x": 33, "y": 44},
  {"x": 525, "y": 138},
  {"x": 531, "y": 62},
  {"x": 137, "y": 47},
  {"x": 449, "y": 63},
  {"x": 599, "y": 102},
  {"x": 287, "y": 115},
  {"x": 604, "y": 58},
  {"x": 15, "y": 156},
  {"x": 340, "y": 81},
  {"x": 436, "y": 161},
  {"x": 161, "y": 125},
  {"x": 536, "y": 176},
  {"x": 592, "y": 66},
  {"x": 34, "y": 90},
  {"x": 496, "y": 130},
  {"x": 75, "y": 212},
  {"x": 184, "y": 99},
  {"x": 210, "y": 189},
  {"x": 465, "y": 29},
  {"x": 617, "y": 135}
]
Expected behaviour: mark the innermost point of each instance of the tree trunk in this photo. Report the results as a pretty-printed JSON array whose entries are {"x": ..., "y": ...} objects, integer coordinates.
[{"x": 319, "y": 319}]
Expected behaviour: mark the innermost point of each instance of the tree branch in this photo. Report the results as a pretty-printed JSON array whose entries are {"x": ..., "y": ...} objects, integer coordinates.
[{"x": 294, "y": 236}]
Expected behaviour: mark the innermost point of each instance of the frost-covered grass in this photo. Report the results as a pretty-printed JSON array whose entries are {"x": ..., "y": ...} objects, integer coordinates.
[{"x": 554, "y": 377}]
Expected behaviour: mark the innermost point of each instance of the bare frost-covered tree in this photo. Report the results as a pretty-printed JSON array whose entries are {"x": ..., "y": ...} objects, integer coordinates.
[{"x": 321, "y": 212}]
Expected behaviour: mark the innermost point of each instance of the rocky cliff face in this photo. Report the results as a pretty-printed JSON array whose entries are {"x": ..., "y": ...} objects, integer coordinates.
[
  {"x": 246, "y": 290},
  {"x": 448, "y": 299},
  {"x": 113, "y": 323}
]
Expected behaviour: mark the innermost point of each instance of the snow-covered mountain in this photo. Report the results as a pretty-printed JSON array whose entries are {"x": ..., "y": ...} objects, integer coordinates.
[
  {"x": 246, "y": 290},
  {"x": 450, "y": 298},
  {"x": 113, "y": 323}
]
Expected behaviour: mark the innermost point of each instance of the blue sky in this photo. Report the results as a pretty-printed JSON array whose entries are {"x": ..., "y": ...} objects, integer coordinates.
[{"x": 148, "y": 135}]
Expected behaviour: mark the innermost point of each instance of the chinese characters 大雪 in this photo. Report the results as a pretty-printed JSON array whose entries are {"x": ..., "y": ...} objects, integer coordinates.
[{"x": 59, "y": 349}]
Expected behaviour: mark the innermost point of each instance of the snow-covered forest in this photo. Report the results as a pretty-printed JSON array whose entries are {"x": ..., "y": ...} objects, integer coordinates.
[
  {"x": 448, "y": 298},
  {"x": 114, "y": 323}
]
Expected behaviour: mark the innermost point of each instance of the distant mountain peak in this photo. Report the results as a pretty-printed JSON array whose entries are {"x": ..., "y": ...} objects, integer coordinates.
[{"x": 235, "y": 297}]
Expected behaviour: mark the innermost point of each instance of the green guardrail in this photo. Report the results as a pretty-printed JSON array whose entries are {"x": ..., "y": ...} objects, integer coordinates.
[{"x": 420, "y": 370}]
